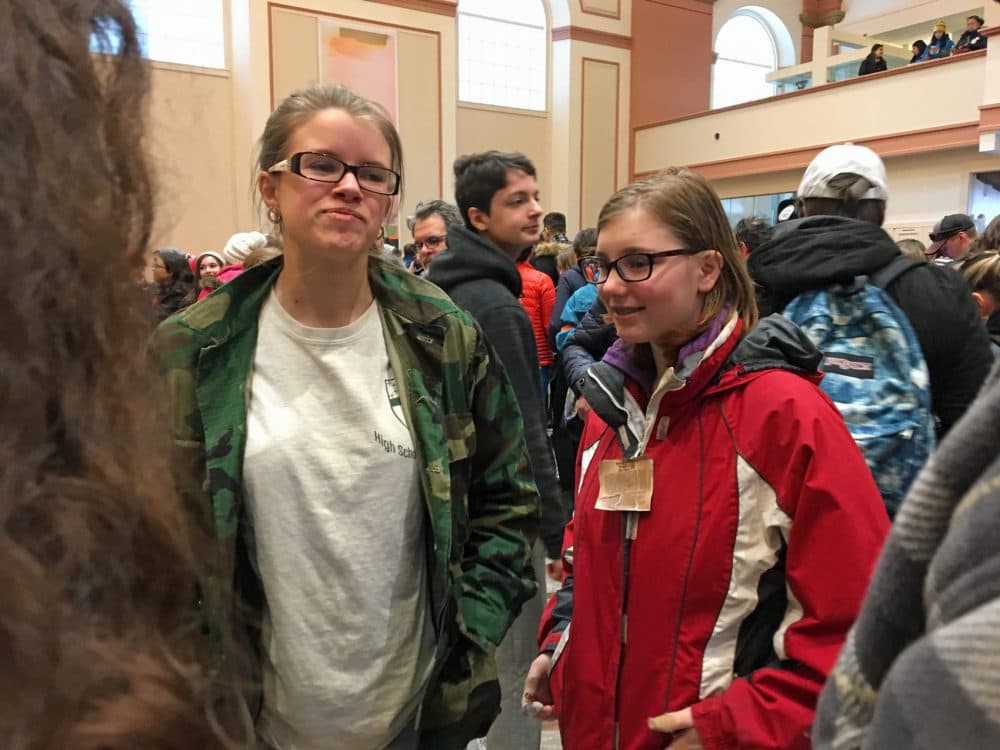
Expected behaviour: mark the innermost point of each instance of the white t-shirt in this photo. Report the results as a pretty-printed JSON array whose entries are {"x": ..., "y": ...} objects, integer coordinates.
[{"x": 333, "y": 490}]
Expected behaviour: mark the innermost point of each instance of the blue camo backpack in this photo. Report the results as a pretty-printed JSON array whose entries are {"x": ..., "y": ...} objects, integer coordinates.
[{"x": 875, "y": 372}]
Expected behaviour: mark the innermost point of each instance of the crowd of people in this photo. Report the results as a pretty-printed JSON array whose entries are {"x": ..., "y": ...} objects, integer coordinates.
[
  {"x": 316, "y": 505},
  {"x": 939, "y": 46},
  {"x": 179, "y": 279}
]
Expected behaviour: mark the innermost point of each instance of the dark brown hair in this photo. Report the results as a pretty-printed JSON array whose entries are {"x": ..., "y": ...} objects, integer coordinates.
[
  {"x": 99, "y": 636},
  {"x": 989, "y": 239},
  {"x": 684, "y": 201},
  {"x": 585, "y": 242},
  {"x": 478, "y": 177}
]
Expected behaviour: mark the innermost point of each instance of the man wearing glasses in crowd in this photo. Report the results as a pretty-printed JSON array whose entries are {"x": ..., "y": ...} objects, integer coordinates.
[{"x": 429, "y": 227}]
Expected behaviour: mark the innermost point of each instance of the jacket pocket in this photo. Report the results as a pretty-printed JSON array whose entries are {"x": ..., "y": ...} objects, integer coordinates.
[
  {"x": 460, "y": 432},
  {"x": 460, "y": 438},
  {"x": 466, "y": 697}
]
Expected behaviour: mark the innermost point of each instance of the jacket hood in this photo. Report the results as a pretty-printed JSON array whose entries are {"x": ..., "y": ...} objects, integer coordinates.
[
  {"x": 550, "y": 248},
  {"x": 469, "y": 257},
  {"x": 816, "y": 252},
  {"x": 775, "y": 343}
]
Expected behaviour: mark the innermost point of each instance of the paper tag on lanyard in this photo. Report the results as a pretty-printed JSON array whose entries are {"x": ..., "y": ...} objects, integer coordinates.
[{"x": 625, "y": 485}]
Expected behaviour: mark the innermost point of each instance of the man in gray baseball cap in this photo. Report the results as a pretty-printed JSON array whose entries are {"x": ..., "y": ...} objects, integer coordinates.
[{"x": 952, "y": 238}]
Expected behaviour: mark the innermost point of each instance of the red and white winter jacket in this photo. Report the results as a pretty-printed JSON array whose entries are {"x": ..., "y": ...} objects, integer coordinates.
[{"x": 739, "y": 586}]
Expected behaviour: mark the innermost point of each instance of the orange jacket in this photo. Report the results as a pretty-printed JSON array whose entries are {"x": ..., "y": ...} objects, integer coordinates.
[{"x": 538, "y": 297}]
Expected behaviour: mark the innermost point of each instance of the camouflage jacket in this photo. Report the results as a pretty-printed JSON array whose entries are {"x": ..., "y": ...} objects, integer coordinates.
[{"x": 481, "y": 501}]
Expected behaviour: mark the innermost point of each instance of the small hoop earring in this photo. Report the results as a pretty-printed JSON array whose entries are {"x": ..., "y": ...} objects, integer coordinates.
[
  {"x": 381, "y": 233},
  {"x": 273, "y": 216}
]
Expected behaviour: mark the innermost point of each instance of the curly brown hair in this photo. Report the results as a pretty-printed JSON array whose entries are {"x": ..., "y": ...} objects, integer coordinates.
[{"x": 100, "y": 636}]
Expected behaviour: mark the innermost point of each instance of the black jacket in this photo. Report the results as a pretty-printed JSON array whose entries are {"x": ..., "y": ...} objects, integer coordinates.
[
  {"x": 548, "y": 265},
  {"x": 872, "y": 64},
  {"x": 588, "y": 344},
  {"x": 482, "y": 280},
  {"x": 815, "y": 252},
  {"x": 993, "y": 329},
  {"x": 971, "y": 40}
]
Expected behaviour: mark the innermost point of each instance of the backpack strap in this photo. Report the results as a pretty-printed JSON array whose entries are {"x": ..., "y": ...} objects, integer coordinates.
[{"x": 892, "y": 270}]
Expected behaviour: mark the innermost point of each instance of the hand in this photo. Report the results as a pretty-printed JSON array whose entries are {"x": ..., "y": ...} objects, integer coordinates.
[
  {"x": 536, "y": 690},
  {"x": 681, "y": 725},
  {"x": 582, "y": 408},
  {"x": 554, "y": 569}
]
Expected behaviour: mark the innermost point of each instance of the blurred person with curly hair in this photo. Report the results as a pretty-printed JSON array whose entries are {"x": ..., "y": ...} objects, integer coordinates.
[{"x": 99, "y": 561}]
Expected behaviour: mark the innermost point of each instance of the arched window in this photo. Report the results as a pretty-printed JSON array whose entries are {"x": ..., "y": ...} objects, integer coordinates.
[
  {"x": 502, "y": 53},
  {"x": 751, "y": 44},
  {"x": 185, "y": 32}
]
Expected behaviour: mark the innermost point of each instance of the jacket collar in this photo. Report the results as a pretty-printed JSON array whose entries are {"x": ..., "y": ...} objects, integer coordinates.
[
  {"x": 471, "y": 257},
  {"x": 813, "y": 253},
  {"x": 697, "y": 362},
  {"x": 235, "y": 307}
]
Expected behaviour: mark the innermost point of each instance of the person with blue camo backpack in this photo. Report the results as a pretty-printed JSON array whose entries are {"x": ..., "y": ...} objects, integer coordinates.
[
  {"x": 874, "y": 371},
  {"x": 904, "y": 354}
]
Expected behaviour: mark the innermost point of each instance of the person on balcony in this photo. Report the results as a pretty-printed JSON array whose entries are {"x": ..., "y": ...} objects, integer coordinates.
[
  {"x": 971, "y": 38},
  {"x": 940, "y": 44},
  {"x": 875, "y": 62},
  {"x": 919, "y": 49}
]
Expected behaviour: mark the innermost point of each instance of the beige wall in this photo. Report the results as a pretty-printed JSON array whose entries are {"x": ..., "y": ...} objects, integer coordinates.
[
  {"x": 765, "y": 184},
  {"x": 824, "y": 115},
  {"x": 873, "y": 16},
  {"x": 612, "y": 16},
  {"x": 190, "y": 141},
  {"x": 925, "y": 187},
  {"x": 601, "y": 83},
  {"x": 590, "y": 113}
]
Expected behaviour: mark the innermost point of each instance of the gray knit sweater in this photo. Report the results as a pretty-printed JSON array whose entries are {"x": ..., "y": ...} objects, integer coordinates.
[{"x": 921, "y": 666}]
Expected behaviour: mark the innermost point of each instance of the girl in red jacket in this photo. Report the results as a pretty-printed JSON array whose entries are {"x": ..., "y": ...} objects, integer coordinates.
[{"x": 726, "y": 524}]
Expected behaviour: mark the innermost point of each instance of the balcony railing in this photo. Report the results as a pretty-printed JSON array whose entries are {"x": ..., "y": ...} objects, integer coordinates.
[{"x": 931, "y": 105}]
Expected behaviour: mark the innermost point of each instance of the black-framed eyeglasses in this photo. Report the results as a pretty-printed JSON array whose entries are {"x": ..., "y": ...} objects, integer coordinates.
[
  {"x": 632, "y": 267},
  {"x": 432, "y": 243},
  {"x": 325, "y": 168}
]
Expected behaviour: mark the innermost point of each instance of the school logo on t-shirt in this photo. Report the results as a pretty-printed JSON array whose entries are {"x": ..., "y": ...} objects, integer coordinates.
[{"x": 392, "y": 392}]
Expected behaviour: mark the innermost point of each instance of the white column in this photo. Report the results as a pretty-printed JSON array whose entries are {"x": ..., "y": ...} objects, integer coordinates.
[{"x": 251, "y": 97}]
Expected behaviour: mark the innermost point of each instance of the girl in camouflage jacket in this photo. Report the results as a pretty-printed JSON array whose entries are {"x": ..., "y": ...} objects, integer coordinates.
[{"x": 318, "y": 518}]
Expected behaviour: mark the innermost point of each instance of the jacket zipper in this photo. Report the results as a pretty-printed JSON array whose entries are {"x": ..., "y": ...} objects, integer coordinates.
[
  {"x": 630, "y": 532},
  {"x": 690, "y": 561},
  {"x": 630, "y": 525}
]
